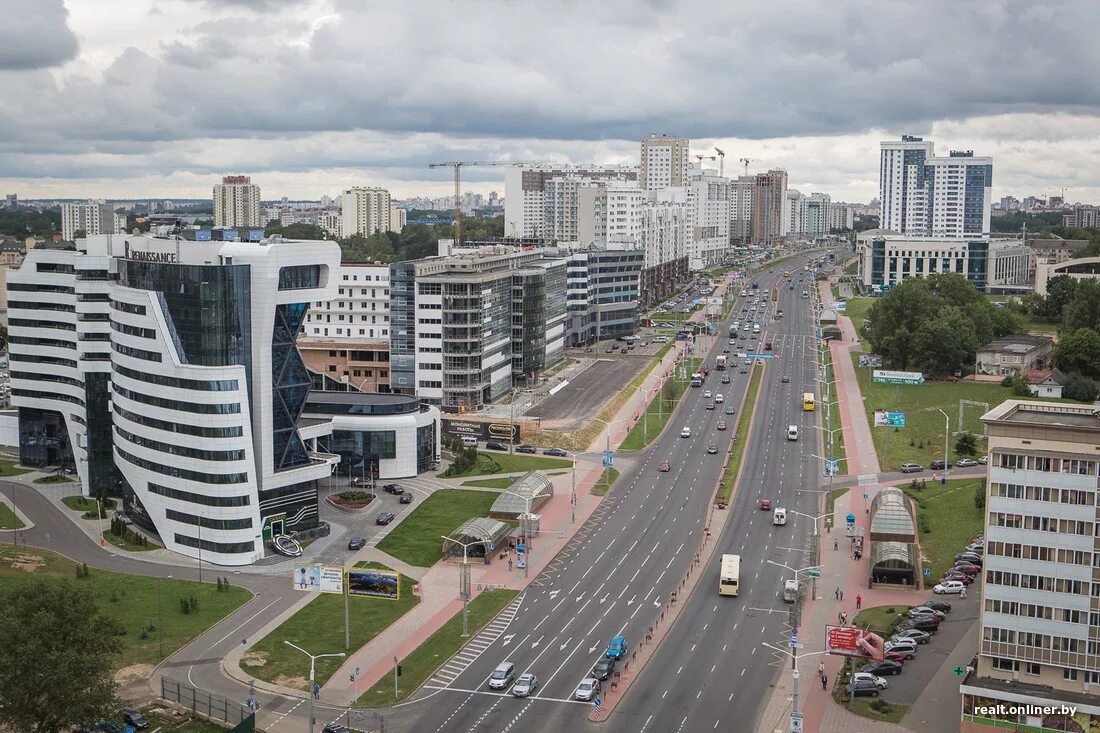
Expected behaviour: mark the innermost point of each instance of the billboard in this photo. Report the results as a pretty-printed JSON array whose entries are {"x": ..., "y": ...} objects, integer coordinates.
[
  {"x": 887, "y": 419},
  {"x": 319, "y": 578},
  {"x": 849, "y": 641},
  {"x": 372, "y": 582},
  {"x": 482, "y": 430},
  {"x": 887, "y": 376},
  {"x": 870, "y": 360}
]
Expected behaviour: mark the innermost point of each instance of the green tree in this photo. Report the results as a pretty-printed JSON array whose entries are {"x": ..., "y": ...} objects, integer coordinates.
[
  {"x": 1060, "y": 291},
  {"x": 979, "y": 497},
  {"x": 3, "y": 337},
  {"x": 417, "y": 240},
  {"x": 896, "y": 318},
  {"x": 1079, "y": 353},
  {"x": 966, "y": 444},
  {"x": 940, "y": 346},
  {"x": 1083, "y": 310},
  {"x": 57, "y": 657},
  {"x": 1019, "y": 386},
  {"x": 1080, "y": 388}
]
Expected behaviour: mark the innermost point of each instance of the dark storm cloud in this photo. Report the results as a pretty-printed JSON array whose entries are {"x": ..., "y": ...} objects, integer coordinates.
[{"x": 34, "y": 34}]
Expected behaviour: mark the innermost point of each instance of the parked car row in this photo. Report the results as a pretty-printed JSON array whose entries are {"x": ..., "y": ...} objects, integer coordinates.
[
  {"x": 588, "y": 688},
  {"x": 968, "y": 566},
  {"x": 920, "y": 624}
]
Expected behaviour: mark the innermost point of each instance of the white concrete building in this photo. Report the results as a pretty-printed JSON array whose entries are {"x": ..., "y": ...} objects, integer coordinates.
[
  {"x": 794, "y": 214},
  {"x": 708, "y": 197},
  {"x": 664, "y": 162},
  {"x": 1011, "y": 266},
  {"x": 840, "y": 216},
  {"x": 237, "y": 203},
  {"x": 93, "y": 218},
  {"x": 525, "y": 194},
  {"x": 164, "y": 370},
  {"x": 887, "y": 258},
  {"x": 901, "y": 167},
  {"x": 365, "y": 210}
]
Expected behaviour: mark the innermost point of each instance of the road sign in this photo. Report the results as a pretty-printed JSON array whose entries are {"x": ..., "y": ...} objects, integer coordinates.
[
  {"x": 759, "y": 356},
  {"x": 832, "y": 467},
  {"x": 608, "y": 458},
  {"x": 959, "y": 671},
  {"x": 796, "y": 722},
  {"x": 492, "y": 547},
  {"x": 814, "y": 573},
  {"x": 887, "y": 376},
  {"x": 597, "y": 702},
  {"x": 928, "y": 571}
]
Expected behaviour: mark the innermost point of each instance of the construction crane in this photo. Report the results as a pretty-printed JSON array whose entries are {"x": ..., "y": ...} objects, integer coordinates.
[
  {"x": 746, "y": 161},
  {"x": 721, "y": 160},
  {"x": 458, "y": 165},
  {"x": 701, "y": 158}
]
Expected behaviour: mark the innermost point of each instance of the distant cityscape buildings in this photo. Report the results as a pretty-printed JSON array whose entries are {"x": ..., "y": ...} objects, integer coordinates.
[
  {"x": 237, "y": 203},
  {"x": 92, "y": 218}
]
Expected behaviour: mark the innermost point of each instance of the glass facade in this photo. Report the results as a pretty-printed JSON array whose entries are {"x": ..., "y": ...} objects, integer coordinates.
[
  {"x": 403, "y": 327},
  {"x": 43, "y": 439},
  {"x": 299, "y": 277},
  {"x": 353, "y": 446},
  {"x": 102, "y": 474},
  {"x": 978, "y": 263},
  {"x": 425, "y": 447},
  {"x": 878, "y": 261},
  {"x": 978, "y": 178},
  {"x": 297, "y": 503},
  {"x": 182, "y": 428},
  {"x": 290, "y": 385}
]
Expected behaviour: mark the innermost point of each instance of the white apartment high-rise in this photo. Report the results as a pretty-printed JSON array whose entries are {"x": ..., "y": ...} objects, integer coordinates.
[
  {"x": 927, "y": 196},
  {"x": 664, "y": 162},
  {"x": 237, "y": 203},
  {"x": 709, "y": 209},
  {"x": 741, "y": 192},
  {"x": 1040, "y": 599},
  {"x": 525, "y": 202},
  {"x": 92, "y": 218},
  {"x": 365, "y": 210}
]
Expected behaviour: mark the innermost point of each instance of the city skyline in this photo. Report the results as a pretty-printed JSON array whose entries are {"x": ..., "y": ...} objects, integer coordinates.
[{"x": 96, "y": 77}]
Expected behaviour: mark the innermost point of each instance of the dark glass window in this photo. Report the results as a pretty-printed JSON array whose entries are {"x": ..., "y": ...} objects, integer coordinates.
[
  {"x": 36, "y": 359},
  {"x": 55, "y": 267},
  {"x": 213, "y": 385},
  {"x": 135, "y": 353},
  {"x": 44, "y": 377},
  {"x": 145, "y": 333},
  {"x": 208, "y": 522},
  {"x": 299, "y": 277},
  {"x": 33, "y": 305},
  {"x": 118, "y": 305},
  {"x": 29, "y": 323},
  {"x": 184, "y": 473},
  {"x": 230, "y": 408},
  {"x": 179, "y": 450},
  {"x": 35, "y": 394},
  {"x": 37, "y": 288},
  {"x": 194, "y": 498},
  {"x": 32, "y": 341},
  {"x": 174, "y": 427},
  {"x": 290, "y": 383},
  {"x": 228, "y": 548}
]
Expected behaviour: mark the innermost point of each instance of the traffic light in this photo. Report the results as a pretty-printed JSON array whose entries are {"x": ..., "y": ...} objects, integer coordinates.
[{"x": 399, "y": 670}]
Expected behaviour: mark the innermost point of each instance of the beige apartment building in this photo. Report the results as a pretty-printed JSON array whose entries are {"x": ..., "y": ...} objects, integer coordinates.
[{"x": 1039, "y": 646}]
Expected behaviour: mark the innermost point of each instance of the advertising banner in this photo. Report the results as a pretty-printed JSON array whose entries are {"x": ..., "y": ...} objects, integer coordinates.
[
  {"x": 887, "y": 419},
  {"x": 886, "y": 376},
  {"x": 375, "y": 583},
  {"x": 870, "y": 360},
  {"x": 844, "y": 640},
  {"x": 482, "y": 430},
  {"x": 319, "y": 578}
]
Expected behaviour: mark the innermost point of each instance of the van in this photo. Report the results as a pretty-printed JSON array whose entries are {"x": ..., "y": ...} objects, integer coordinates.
[
  {"x": 468, "y": 441},
  {"x": 502, "y": 676},
  {"x": 779, "y": 516},
  {"x": 756, "y": 328},
  {"x": 792, "y": 432},
  {"x": 790, "y": 591}
]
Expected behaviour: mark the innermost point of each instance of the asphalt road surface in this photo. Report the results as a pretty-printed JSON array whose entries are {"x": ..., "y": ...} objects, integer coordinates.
[
  {"x": 586, "y": 393},
  {"x": 624, "y": 563}
]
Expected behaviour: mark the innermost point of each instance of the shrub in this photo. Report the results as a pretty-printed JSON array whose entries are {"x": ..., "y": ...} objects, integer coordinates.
[
  {"x": 979, "y": 496},
  {"x": 922, "y": 521},
  {"x": 354, "y": 496}
]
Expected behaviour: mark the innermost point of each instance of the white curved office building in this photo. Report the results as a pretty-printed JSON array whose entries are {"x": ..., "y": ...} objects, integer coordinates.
[{"x": 195, "y": 336}]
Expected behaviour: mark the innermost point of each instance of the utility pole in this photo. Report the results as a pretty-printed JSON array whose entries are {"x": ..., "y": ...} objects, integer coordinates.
[{"x": 312, "y": 678}]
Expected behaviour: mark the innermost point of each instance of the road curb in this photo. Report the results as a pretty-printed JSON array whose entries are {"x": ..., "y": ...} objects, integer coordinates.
[{"x": 687, "y": 588}]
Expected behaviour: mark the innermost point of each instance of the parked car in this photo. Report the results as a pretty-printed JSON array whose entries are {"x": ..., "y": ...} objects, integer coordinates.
[
  {"x": 967, "y": 568},
  {"x": 879, "y": 682},
  {"x": 555, "y": 452},
  {"x": 969, "y": 557},
  {"x": 938, "y": 605},
  {"x": 134, "y": 719},
  {"x": 938, "y": 465},
  {"x": 525, "y": 685},
  {"x": 982, "y": 460},
  {"x": 921, "y": 637},
  {"x": 395, "y": 489},
  {"x": 948, "y": 586},
  {"x": 493, "y": 445},
  {"x": 604, "y": 668},
  {"x": 384, "y": 518},
  {"x": 881, "y": 667},
  {"x": 966, "y": 462},
  {"x": 356, "y": 543},
  {"x": 587, "y": 689},
  {"x": 922, "y": 623},
  {"x": 904, "y": 647},
  {"x": 407, "y": 497},
  {"x": 957, "y": 575},
  {"x": 911, "y": 468},
  {"x": 335, "y": 728},
  {"x": 526, "y": 449},
  {"x": 862, "y": 688},
  {"x": 916, "y": 611}
]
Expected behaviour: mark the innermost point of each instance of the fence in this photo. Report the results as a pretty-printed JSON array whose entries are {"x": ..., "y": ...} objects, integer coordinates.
[{"x": 201, "y": 702}]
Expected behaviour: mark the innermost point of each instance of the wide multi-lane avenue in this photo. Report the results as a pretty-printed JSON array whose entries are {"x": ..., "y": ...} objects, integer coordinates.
[{"x": 620, "y": 569}]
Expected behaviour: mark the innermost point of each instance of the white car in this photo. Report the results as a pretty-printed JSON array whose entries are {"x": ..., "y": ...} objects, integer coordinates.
[
  {"x": 926, "y": 611},
  {"x": 905, "y": 647},
  {"x": 587, "y": 689},
  {"x": 686, "y": 432},
  {"x": 949, "y": 586},
  {"x": 706, "y": 394},
  {"x": 525, "y": 685},
  {"x": 879, "y": 682},
  {"x": 719, "y": 398}
]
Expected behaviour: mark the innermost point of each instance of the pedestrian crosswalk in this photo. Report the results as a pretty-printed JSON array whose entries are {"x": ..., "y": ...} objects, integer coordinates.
[{"x": 466, "y": 656}]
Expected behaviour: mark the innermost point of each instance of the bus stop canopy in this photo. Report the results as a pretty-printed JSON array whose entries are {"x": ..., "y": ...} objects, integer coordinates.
[
  {"x": 532, "y": 490},
  {"x": 480, "y": 530},
  {"x": 894, "y": 562}
]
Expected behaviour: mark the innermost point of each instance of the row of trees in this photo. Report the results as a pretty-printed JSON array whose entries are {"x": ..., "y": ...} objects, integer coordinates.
[
  {"x": 1074, "y": 306},
  {"x": 936, "y": 324},
  {"x": 24, "y": 222}
]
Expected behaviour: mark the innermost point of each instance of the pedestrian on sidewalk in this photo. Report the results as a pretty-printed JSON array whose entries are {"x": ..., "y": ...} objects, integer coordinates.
[
  {"x": 509, "y": 564},
  {"x": 840, "y": 618},
  {"x": 859, "y": 602},
  {"x": 824, "y": 682},
  {"x": 842, "y": 594},
  {"x": 821, "y": 668},
  {"x": 836, "y": 544},
  {"x": 836, "y": 593}
]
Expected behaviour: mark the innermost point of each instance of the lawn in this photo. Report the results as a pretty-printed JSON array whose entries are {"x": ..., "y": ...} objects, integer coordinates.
[
  {"x": 494, "y": 462},
  {"x": 418, "y": 539},
  {"x": 423, "y": 661},
  {"x": 880, "y": 619},
  {"x": 53, "y": 478},
  {"x": 10, "y": 468},
  {"x": 123, "y": 543},
  {"x": 737, "y": 450},
  {"x": 8, "y": 520},
  {"x": 606, "y": 481},
  {"x": 319, "y": 627},
  {"x": 893, "y": 713},
  {"x": 858, "y": 309},
  {"x": 133, "y": 599},
  {"x": 830, "y": 500},
  {"x": 86, "y": 505},
  {"x": 951, "y": 518},
  {"x": 837, "y": 436},
  {"x": 657, "y": 414}
]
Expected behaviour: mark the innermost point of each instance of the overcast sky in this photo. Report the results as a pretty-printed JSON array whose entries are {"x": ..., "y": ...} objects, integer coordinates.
[{"x": 133, "y": 98}]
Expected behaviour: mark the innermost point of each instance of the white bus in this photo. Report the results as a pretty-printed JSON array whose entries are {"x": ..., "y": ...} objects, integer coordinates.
[{"x": 730, "y": 575}]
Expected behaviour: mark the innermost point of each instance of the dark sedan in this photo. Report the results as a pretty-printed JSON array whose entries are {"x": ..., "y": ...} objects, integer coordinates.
[
  {"x": 526, "y": 449},
  {"x": 384, "y": 518},
  {"x": 407, "y": 497},
  {"x": 395, "y": 489},
  {"x": 356, "y": 543},
  {"x": 881, "y": 667},
  {"x": 555, "y": 452},
  {"x": 938, "y": 605},
  {"x": 134, "y": 719}
]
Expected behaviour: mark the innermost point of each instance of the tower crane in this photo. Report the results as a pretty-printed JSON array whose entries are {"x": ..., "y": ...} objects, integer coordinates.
[
  {"x": 701, "y": 158},
  {"x": 746, "y": 161},
  {"x": 458, "y": 165},
  {"x": 721, "y": 161}
]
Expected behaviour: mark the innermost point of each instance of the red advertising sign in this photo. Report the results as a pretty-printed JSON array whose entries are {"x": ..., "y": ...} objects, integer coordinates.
[{"x": 844, "y": 640}]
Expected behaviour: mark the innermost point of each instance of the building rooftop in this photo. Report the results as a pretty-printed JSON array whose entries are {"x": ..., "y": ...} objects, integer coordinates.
[
  {"x": 1050, "y": 414},
  {"x": 1018, "y": 343},
  {"x": 1085, "y": 702},
  {"x": 1074, "y": 244}
]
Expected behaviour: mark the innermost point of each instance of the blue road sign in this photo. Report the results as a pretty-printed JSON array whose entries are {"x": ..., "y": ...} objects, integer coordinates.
[
  {"x": 928, "y": 571},
  {"x": 608, "y": 458},
  {"x": 851, "y": 519},
  {"x": 597, "y": 702},
  {"x": 832, "y": 467},
  {"x": 759, "y": 356},
  {"x": 492, "y": 547}
]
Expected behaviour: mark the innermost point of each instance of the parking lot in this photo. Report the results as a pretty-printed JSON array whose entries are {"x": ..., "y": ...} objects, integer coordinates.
[{"x": 587, "y": 392}]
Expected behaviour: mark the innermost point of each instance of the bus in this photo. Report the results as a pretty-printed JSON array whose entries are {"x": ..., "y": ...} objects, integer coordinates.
[
  {"x": 808, "y": 401},
  {"x": 730, "y": 575}
]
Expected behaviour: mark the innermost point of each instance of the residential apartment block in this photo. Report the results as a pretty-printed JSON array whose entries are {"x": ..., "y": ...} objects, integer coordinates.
[
  {"x": 526, "y": 203},
  {"x": 237, "y": 203},
  {"x": 92, "y": 218},
  {"x": 769, "y": 197},
  {"x": 163, "y": 370},
  {"x": 366, "y": 210},
  {"x": 741, "y": 208},
  {"x": 1040, "y": 600},
  {"x": 664, "y": 162}
]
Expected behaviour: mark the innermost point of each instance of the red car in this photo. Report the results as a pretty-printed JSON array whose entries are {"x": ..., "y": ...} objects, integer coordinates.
[
  {"x": 766, "y": 505},
  {"x": 663, "y": 468},
  {"x": 967, "y": 569},
  {"x": 957, "y": 575}
]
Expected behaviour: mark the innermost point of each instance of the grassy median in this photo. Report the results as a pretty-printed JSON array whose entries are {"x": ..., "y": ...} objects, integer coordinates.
[
  {"x": 607, "y": 480},
  {"x": 492, "y": 462},
  {"x": 948, "y": 518},
  {"x": 423, "y": 661},
  {"x": 740, "y": 439},
  {"x": 319, "y": 627},
  {"x": 8, "y": 520},
  {"x": 418, "y": 539}
]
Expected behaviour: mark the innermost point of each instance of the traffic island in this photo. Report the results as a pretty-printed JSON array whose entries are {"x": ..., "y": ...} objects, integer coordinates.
[{"x": 352, "y": 501}]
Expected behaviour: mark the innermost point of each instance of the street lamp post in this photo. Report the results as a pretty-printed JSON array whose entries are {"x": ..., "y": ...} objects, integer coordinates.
[
  {"x": 946, "y": 435},
  {"x": 464, "y": 581},
  {"x": 312, "y": 676},
  {"x": 795, "y": 714},
  {"x": 160, "y": 619},
  {"x": 811, "y": 517}
]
